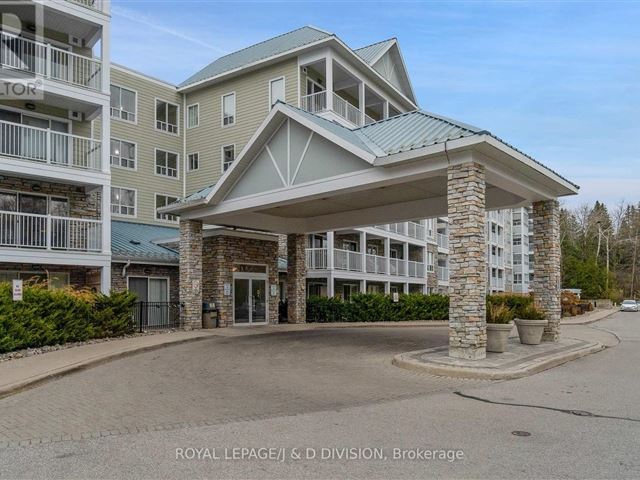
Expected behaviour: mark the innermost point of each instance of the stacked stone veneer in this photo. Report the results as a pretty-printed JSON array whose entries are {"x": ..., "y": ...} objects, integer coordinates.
[
  {"x": 546, "y": 254},
  {"x": 432, "y": 277},
  {"x": 467, "y": 262},
  {"x": 221, "y": 256},
  {"x": 79, "y": 277},
  {"x": 119, "y": 283},
  {"x": 296, "y": 279},
  {"x": 191, "y": 273}
]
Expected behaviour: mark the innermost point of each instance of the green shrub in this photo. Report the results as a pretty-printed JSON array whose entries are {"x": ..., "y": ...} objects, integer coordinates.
[
  {"x": 50, "y": 317},
  {"x": 511, "y": 300},
  {"x": 529, "y": 312},
  {"x": 499, "y": 313},
  {"x": 373, "y": 307}
]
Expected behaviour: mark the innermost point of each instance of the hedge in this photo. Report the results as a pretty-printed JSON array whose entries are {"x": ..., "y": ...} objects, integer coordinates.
[
  {"x": 51, "y": 317},
  {"x": 373, "y": 307}
]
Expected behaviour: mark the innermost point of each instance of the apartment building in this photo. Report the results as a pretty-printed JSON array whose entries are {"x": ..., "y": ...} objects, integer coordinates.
[
  {"x": 80, "y": 212},
  {"x": 54, "y": 168}
]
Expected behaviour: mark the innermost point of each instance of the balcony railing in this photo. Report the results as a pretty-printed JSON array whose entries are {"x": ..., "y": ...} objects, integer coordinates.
[
  {"x": 314, "y": 103},
  {"x": 47, "y": 146},
  {"x": 497, "y": 261},
  {"x": 415, "y": 269},
  {"x": 397, "y": 266},
  {"x": 376, "y": 264},
  {"x": 317, "y": 102},
  {"x": 316, "y": 258},
  {"x": 443, "y": 274},
  {"x": 443, "y": 240},
  {"x": 28, "y": 230},
  {"x": 347, "y": 260},
  {"x": 415, "y": 230},
  {"x": 346, "y": 110},
  {"x": 497, "y": 283},
  {"x": 45, "y": 60}
]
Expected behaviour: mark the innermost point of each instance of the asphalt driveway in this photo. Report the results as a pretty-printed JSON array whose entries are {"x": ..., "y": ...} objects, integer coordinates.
[{"x": 220, "y": 380}]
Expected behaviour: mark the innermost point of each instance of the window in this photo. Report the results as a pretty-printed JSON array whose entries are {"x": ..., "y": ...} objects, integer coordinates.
[
  {"x": 123, "y": 154},
  {"x": 167, "y": 163},
  {"x": 193, "y": 116},
  {"x": 123, "y": 104},
  {"x": 229, "y": 109},
  {"x": 228, "y": 156},
  {"x": 123, "y": 201},
  {"x": 166, "y": 117},
  {"x": 276, "y": 91},
  {"x": 517, "y": 240},
  {"x": 194, "y": 161},
  {"x": 163, "y": 201}
]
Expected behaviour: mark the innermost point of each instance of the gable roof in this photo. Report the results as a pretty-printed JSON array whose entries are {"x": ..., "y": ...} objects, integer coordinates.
[
  {"x": 371, "y": 53},
  {"x": 138, "y": 241},
  {"x": 260, "y": 51}
]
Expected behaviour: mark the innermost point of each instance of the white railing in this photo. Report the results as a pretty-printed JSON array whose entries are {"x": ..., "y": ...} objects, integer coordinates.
[
  {"x": 443, "y": 240},
  {"x": 347, "y": 260},
  {"x": 397, "y": 266},
  {"x": 346, "y": 110},
  {"x": 28, "y": 230},
  {"x": 497, "y": 283},
  {"x": 47, "y": 61},
  {"x": 92, "y": 4},
  {"x": 316, "y": 258},
  {"x": 497, "y": 261},
  {"x": 415, "y": 269},
  {"x": 375, "y": 264},
  {"x": 48, "y": 146},
  {"x": 416, "y": 230},
  {"x": 314, "y": 103},
  {"x": 368, "y": 120},
  {"x": 443, "y": 274}
]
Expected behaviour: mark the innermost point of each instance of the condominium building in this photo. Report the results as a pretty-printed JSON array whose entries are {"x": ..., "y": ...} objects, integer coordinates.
[{"x": 88, "y": 168}]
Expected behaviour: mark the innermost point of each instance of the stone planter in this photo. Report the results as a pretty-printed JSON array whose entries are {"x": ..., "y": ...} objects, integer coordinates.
[
  {"x": 530, "y": 331},
  {"x": 498, "y": 336}
]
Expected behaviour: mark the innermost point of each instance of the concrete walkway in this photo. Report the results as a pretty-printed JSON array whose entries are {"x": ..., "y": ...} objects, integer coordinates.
[{"x": 589, "y": 317}]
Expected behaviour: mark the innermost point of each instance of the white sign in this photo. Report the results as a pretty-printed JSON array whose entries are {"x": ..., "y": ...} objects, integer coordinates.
[
  {"x": 17, "y": 290},
  {"x": 274, "y": 290},
  {"x": 227, "y": 289},
  {"x": 396, "y": 297}
]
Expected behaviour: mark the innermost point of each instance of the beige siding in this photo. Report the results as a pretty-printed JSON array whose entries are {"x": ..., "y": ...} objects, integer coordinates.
[
  {"x": 147, "y": 138},
  {"x": 252, "y": 106}
]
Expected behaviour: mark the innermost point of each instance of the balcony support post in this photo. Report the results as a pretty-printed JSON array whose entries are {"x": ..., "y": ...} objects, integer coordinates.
[
  {"x": 105, "y": 217},
  {"x": 105, "y": 279},
  {"x": 329, "y": 79},
  {"x": 361, "y": 101},
  {"x": 330, "y": 247},
  {"x": 387, "y": 255}
]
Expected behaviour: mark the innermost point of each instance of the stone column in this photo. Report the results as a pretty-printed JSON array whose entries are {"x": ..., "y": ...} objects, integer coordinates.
[
  {"x": 191, "y": 273},
  {"x": 467, "y": 261},
  {"x": 546, "y": 258},
  {"x": 296, "y": 278}
]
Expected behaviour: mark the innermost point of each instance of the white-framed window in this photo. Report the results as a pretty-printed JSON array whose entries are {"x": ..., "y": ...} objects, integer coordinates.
[
  {"x": 123, "y": 104},
  {"x": 167, "y": 115},
  {"x": 228, "y": 109},
  {"x": 276, "y": 91},
  {"x": 517, "y": 240},
  {"x": 193, "y": 115},
  {"x": 123, "y": 201},
  {"x": 167, "y": 163},
  {"x": 163, "y": 201},
  {"x": 123, "y": 154},
  {"x": 193, "y": 161},
  {"x": 228, "y": 156}
]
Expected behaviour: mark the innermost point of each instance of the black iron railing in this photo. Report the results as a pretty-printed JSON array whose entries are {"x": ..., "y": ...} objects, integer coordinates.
[{"x": 156, "y": 315}]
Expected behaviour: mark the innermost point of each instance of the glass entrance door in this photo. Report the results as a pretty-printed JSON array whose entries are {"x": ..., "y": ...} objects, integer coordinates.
[{"x": 249, "y": 301}]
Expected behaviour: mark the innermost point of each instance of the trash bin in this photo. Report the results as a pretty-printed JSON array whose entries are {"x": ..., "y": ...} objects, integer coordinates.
[{"x": 207, "y": 318}]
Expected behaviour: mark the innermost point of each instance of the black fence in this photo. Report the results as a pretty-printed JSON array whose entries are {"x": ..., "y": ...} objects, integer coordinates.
[{"x": 156, "y": 315}]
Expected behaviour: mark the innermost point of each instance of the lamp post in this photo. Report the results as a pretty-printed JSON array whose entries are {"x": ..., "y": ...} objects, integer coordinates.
[{"x": 601, "y": 233}]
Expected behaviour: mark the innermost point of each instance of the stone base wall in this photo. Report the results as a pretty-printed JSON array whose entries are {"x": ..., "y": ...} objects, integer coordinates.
[
  {"x": 119, "y": 282},
  {"x": 221, "y": 255},
  {"x": 191, "y": 273},
  {"x": 296, "y": 279}
]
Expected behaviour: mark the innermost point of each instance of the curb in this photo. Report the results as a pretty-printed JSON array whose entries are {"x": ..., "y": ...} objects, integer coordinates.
[
  {"x": 588, "y": 322},
  {"x": 405, "y": 360},
  {"x": 86, "y": 364},
  {"x": 414, "y": 324}
]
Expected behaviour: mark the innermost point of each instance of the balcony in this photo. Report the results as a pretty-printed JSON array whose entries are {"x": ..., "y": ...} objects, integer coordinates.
[
  {"x": 415, "y": 230},
  {"x": 376, "y": 264},
  {"x": 443, "y": 240},
  {"x": 497, "y": 261},
  {"x": 317, "y": 103},
  {"x": 45, "y": 60},
  {"x": 443, "y": 274},
  {"x": 49, "y": 147},
  {"x": 496, "y": 283},
  {"x": 48, "y": 232},
  {"x": 346, "y": 260},
  {"x": 97, "y": 5}
]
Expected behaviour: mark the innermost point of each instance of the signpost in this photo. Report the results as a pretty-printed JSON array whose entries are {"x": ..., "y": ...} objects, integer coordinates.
[{"x": 17, "y": 290}]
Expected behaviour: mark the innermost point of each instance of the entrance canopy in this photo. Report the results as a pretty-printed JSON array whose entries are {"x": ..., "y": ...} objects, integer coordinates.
[{"x": 301, "y": 173}]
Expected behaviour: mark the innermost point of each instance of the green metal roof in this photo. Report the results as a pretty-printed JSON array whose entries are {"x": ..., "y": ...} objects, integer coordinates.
[
  {"x": 371, "y": 52},
  {"x": 260, "y": 51},
  {"x": 139, "y": 241}
]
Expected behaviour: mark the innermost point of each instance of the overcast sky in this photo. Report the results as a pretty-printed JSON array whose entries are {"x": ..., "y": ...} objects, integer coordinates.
[{"x": 560, "y": 81}]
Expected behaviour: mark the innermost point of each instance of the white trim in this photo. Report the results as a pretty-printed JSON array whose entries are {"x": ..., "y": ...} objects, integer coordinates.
[
  {"x": 235, "y": 109},
  {"x": 235, "y": 157},
  {"x": 44, "y": 116},
  {"x": 135, "y": 160},
  {"x": 188, "y": 162},
  {"x": 155, "y": 172},
  {"x": 155, "y": 115},
  {"x": 155, "y": 208},
  {"x": 187, "y": 127},
  {"x": 275, "y": 165},
  {"x": 135, "y": 203},
  {"x": 151, "y": 277},
  {"x": 120, "y": 119},
  {"x": 284, "y": 89},
  {"x": 144, "y": 76},
  {"x": 251, "y": 276}
]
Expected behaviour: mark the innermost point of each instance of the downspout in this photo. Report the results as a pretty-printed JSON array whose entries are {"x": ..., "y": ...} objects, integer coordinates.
[
  {"x": 184, "y": 145},
  {"x": 124, "y": 269}
]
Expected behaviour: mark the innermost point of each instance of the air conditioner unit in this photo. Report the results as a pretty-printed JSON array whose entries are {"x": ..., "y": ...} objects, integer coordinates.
[
  {"x": 76, "y": 41},
  {"x": 77, "y": 116}
]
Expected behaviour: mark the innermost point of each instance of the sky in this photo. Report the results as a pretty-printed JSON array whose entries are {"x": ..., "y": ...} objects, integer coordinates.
[{"x": 558, "y": 80}]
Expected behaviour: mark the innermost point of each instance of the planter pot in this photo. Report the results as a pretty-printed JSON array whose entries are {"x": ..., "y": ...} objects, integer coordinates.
[
  {"x": 498, "y": 336},
  {"x": 530, "y": 331}
]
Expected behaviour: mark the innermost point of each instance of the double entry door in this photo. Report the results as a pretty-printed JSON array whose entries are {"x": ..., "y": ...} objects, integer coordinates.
[
  {"x": 249, "y": 299},
  {"x": 152, "y": 309}
]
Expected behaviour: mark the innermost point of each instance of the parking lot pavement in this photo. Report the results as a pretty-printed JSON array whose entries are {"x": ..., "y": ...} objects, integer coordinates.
[{"x": 221, "y": 380}]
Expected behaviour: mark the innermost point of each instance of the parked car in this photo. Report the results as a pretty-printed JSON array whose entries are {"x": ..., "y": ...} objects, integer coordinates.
[{"x": 629, "y": 306}]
